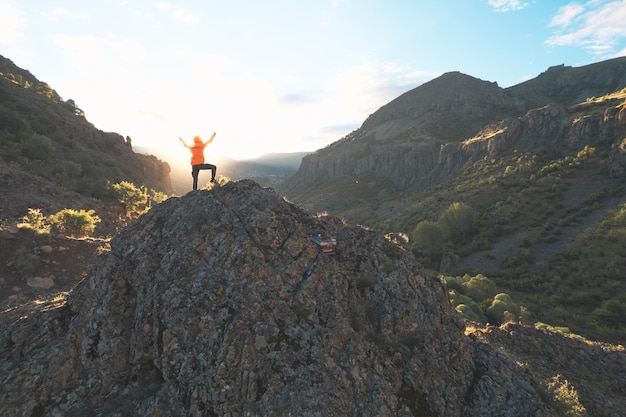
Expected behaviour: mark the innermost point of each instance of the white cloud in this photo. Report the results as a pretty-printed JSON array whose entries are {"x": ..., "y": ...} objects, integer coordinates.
[
  {"x": 10, "y": 22},
  {"x": 566, "y": 15},
  {"x": 597, "y": 26},
  {"x": 507, "y": 5},
  {"x": 179, "y": 13},
  {"x": 61, "y": 12},
  {"x": 373, "y": 83}
]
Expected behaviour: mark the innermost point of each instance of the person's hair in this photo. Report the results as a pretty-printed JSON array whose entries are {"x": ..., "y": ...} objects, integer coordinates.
[{"x": 197, "y": 139}]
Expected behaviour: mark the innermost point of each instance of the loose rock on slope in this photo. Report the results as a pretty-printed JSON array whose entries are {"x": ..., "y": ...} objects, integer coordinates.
[{"x": 218, "y": 304}]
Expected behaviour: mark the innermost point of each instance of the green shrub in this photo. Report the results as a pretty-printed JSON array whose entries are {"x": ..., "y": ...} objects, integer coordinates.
[
  {"x": 37, "y": 147},
  {"x": 36, "y": 221},
  {"x": 26, "y": 262},
  {"x": 477, "y": 299},
  {"x": 467, "y": 307},
  {"x": 12, "y": 122},
  {"x": 68, "y": 170},
  {"x": 503, "y": 309},
  {"x": 611, "y": 313},
  {"x": 458, "y": 221},
  {"x": 566, "y": 397},
  {"x": 470, "y": 313},
  {"x": 133, "y": 198},
  {"x": 156, "y": 197},
  {"x": 480, "y": 288},
  {"x": 136, "y": 200},
  {"x": 76, "y": 223},
  {"x": 429, "y": 238}
]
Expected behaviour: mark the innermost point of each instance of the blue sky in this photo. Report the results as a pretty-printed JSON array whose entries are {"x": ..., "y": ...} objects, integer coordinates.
[{"x": 285, "y": 75}]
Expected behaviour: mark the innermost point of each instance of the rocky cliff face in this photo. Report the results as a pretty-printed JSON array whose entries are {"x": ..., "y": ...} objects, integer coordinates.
[
  {"x": 219, "y": 304},
  {"x": 420, "y": 160},
  {"x": 550, "y": 127}
]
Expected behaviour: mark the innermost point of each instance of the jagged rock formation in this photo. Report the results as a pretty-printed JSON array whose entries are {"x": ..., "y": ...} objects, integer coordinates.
[{"x": 218, "y": 304}]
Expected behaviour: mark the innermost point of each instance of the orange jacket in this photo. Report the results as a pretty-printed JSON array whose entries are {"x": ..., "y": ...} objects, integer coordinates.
[{"x": 197, "y": 151}]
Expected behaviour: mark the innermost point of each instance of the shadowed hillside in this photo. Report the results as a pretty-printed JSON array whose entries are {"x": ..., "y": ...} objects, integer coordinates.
[
  {"x": 53, "y": 159},
  {"x": 47, "y": 136}
]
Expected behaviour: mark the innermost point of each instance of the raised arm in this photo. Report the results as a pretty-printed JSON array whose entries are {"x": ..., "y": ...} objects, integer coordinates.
[
  {"x": 183, "y": 142},
  {"x": 210, "y": 139}
]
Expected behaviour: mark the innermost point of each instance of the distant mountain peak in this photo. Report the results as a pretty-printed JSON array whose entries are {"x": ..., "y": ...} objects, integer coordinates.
[{"x": 453, "y": 100}]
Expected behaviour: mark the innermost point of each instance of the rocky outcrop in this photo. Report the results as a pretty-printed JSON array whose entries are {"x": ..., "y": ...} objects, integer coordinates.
[
  {"x": 553, "y": 127},
  {"x": 218, "y": 304},
  {"x": 578, "y": 378}
]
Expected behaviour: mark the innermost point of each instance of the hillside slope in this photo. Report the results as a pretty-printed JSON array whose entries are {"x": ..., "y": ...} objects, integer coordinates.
[
  {"x": 218, "y": 303},
  {"x": 45, "y": 135},
  {"x": 52, "y": 158}
]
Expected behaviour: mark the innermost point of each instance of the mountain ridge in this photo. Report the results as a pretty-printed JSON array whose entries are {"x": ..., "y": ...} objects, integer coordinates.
[
  {"x": 452, "y": 94},
  {"x": 568, "y": 85},
  {"x": 459, "y": 118}
]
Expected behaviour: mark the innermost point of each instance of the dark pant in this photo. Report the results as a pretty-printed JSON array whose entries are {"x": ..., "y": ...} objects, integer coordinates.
[{"x": 196, "y": 168}]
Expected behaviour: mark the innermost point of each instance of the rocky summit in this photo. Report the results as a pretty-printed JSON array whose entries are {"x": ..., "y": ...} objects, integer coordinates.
[{"x": 218, "y": 303}]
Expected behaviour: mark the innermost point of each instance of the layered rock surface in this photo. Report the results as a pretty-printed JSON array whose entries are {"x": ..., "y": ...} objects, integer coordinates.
[{"x": 217, "y": 303}]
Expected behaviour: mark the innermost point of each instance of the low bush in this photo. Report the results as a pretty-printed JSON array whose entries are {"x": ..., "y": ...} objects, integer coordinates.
[
  {"x": 566, "y": 397},
  {"x": 36, "y": 221},
  {"x": 478, "y": 299},
  {"x": 25, "y": 262},
  {"x": 136, "y": 200},
  {"x": 75, "y": 223},
  {"x": 133, "y": 198}
]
